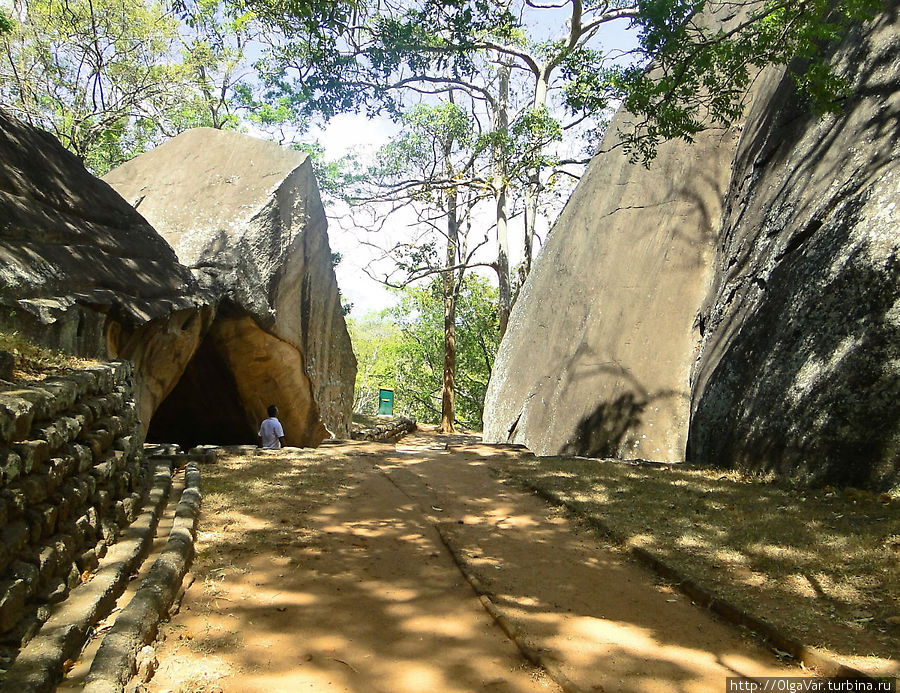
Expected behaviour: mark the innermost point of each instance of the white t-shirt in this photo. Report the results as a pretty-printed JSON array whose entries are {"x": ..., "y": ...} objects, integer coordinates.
[{"x": 270, "y": 431}]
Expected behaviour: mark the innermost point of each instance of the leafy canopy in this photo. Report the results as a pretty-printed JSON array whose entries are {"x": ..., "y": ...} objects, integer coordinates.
[
  {"x": 691, "y": 68},
  {"x": 6, "y": 22},
  {"x": 96, "y": 74},
  {"x": 697, "y": 58}
]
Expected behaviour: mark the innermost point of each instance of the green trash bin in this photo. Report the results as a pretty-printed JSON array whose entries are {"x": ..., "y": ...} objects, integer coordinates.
[{"x": 385, "y": 403}]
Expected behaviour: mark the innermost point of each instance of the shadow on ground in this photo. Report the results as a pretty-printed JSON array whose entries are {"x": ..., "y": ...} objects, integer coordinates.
[
  {"x": 323, "y": 570},
  {"x": 823, "y": 565}
]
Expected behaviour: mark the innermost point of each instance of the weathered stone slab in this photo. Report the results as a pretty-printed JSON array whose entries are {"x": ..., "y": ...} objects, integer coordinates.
[
  {"x": 11, "y": 466},
  {"x": 57, "y": 219},
  {"x": 33, "y": 453},
  {"x": 12, "y": 603},
  {"x": 82, "y": 271},
  {"x": 791, "y": 363},
  {"x": 597, "y": 356},
  {"x": 16, "y": 415},
  {"x": 799, "y": 370},
  {"x": 245, "y": 214}
]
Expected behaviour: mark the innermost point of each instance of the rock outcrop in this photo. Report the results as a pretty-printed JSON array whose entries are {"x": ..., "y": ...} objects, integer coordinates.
[
  {"x": 602, "y": 368},
  {"x": 245, "y": 216},
  {"x": 760, "y": 333},
  {"x": 799, "y": 370},
  {"x": 81, "y": 271}
]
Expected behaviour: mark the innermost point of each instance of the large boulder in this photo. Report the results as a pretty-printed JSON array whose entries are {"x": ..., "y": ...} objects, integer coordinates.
[
  {"x": 763, "y": 332},
  {"x": 246, "y": 216},
  {"x": 82, "y": 271},
  {"x": 597, "y": 356},
  {"x": 799, "y": 368}
]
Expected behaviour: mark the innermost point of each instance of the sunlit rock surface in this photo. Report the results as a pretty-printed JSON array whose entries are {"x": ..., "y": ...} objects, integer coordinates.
[
  {"x": 760, "y": 333},
  {"x": 81, "y": 271},
  {"x": 597, "y": 357},
  {"x": 246, "y": 216}
]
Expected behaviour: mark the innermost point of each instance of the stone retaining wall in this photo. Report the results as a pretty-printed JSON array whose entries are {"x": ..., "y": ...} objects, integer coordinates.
[
  {"x": 71, "y": 475},
  {"x": 388, "y": 431}
]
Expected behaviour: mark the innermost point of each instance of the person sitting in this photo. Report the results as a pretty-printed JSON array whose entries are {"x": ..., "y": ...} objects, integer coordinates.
[{"x": 271, "y": 434}]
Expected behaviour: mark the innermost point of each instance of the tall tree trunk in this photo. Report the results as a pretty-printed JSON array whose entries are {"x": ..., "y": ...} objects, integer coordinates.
[
  {"x": 532, "y": 193},
  {"x": 449, "y": 384},
  {"x": 533, "y": 189},
  {"x": 450, "y": 291},
  {"x": 501, "y": 186}
]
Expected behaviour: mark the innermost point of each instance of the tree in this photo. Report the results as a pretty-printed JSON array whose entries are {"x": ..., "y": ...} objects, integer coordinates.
[
  {"x": 420, "y": 317},
  {"x": 96, "y": 74},
  {"x": 405, "y": 52},
  {"x": 701, "y": 69},
  {"x": 111, "y": 78},
  {"x": 427, "y": 171},
  {"x": 402, "y": 349},
  {"x": 214, "y": 55}
]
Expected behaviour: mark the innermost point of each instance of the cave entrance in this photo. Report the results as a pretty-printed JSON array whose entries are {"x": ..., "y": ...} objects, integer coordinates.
[{"x": 204, "y": 408}]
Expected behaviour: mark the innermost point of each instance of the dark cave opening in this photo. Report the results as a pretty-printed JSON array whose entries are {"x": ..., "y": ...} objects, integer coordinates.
[{"x": 204, "y": 408}]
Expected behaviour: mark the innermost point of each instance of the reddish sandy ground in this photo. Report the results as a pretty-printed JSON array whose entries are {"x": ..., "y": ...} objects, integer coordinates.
[{"x": 334, "y": 570}]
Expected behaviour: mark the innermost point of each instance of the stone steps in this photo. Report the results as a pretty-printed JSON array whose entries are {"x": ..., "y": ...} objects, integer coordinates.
[
  {"x": 114, "y": 664},
  {"x": 60, "y": 641}
]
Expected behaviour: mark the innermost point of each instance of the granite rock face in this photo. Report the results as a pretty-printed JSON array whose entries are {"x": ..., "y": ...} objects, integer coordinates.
[
  {"x": 597, "y": 356},
  {"x": 737, "y": 305},
  {"x": 245, "y": 216},
  {"x": 799, "y": 368},
  {"x": 81, "y": 271}
]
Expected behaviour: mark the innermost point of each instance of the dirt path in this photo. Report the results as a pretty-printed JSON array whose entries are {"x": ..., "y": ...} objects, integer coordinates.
[{"x": 334, "y": 570}]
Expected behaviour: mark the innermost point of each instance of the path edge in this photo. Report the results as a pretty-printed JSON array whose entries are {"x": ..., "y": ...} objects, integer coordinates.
[
  {"x": 727, "y": 611},
  {"x": 137, "y": 624}
]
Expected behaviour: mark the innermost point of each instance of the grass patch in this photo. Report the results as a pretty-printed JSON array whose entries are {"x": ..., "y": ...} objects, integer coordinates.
[
  {"x": 34, "y": 362},
  {"x": 823, "y": 565}
]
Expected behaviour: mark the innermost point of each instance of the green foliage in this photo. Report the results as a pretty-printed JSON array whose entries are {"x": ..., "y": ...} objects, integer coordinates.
[
  {"x": 334, "y": 178},
  {"x": 75, "y": 69},
  {"x": 430, "y": 135},
  {"x": 426, "y": 163},
  {"x": 377, "y": 345},
  {"x": 403, "y": 349},
  {"x": 214, "y": 47},
  {"x": 420, "y": 318},
  {"x": 686, "y": 74},
  {"x": 588, "y": 84},
  {"x": 106, "y": 76},
  {"x": 533, "y": 132},
  {"x": 6, "y": 22},
  {"x": 112, "y": 78},
  {"x": 699, "y": 76}
]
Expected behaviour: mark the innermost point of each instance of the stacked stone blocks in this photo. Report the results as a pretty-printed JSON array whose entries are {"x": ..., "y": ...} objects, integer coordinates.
[
  {"x": 71, "y": 475},
  {"x": 388, "y": 431}
]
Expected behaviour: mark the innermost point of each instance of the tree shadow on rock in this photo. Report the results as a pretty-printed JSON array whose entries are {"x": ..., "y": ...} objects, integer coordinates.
[{"x": 602, "y": 433}]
